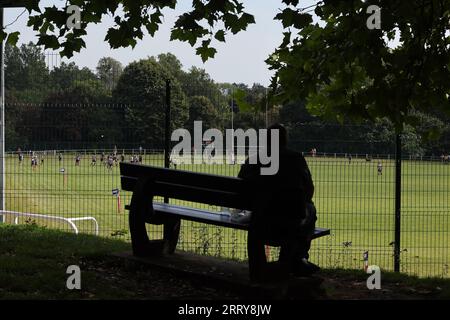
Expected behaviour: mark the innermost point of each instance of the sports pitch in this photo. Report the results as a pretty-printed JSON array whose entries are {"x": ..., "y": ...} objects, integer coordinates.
[{"x": 352, "y": 199}]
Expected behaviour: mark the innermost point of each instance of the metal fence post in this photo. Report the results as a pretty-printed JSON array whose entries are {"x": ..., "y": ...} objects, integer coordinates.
[
  {"x": 398, "y": 201},
  {"x": 167, "y": 128},
  {"x": 171, "y": 229}
]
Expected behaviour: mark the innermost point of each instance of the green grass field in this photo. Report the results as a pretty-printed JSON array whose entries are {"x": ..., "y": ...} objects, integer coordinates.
[{"x": 351, "y": 198}]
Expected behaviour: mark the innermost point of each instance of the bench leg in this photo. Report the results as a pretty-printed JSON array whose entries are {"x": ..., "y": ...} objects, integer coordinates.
[
  {"x": 139, "y": 237},
  {"x": 171, "y": 235},
  {"x": 140, "y": 209},
  {"x": 257, "y": 262}
]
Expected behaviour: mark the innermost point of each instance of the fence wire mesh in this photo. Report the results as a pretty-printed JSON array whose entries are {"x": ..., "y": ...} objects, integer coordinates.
[
  {"x": 64, "y": 122},
  {"x": 61, "y": 169}
]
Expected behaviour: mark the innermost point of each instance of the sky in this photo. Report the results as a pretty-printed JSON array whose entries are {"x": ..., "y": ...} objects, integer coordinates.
[{"x": 240, "y": 59}]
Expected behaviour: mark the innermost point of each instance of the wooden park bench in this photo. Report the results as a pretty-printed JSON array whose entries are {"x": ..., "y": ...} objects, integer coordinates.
[{"x": 147, "y": 182}]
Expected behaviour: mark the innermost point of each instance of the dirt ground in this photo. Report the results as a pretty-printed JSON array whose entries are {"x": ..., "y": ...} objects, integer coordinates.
[
  {"x": 139, "y": 281},
  {"x": 346, "y": 287}
]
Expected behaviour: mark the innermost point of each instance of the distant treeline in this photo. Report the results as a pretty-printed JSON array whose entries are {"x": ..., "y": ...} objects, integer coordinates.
[{"x": 53, "y": 105}]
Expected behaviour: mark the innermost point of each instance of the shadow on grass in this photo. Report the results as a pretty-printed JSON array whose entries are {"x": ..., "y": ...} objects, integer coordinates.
[{"x": 34, "y": 261}]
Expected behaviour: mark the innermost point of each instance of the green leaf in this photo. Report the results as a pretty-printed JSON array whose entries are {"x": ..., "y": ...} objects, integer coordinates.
[
  {"x": 13, "y": 38},
  {"x": 240, "y": 96},
  {"x": 291, "y": 2},
  {"x": 293, "y": 18},
  {"x": 206, "y": 52},
  {"x": 49, "y": 41},
  {"x": 31, "y": 5},
  {"x": 220, "y": 35},
  {"x": 71, "y": 46},
  {"x": 152, "y": 28},
  {"x": 286, "y": 39}
]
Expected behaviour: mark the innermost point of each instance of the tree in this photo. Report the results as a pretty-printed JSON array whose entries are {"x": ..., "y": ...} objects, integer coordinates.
[
  {"x": 26, "y": 72},
  {"x": 69, "y": 74},
  {"x": 294, "y": 113},
  {"x": 412, "y": 143},
  {"x": 172, "y": 64},
  {"x": 15, "y": 113},
  {"x": 343, "y": 70},
  {"x": 79, "y": 115},
  {"x": 202, "y": 109},
  {"x": 197, "y": 82},
  {"x": 202, "y": 93},
  {"x": 248, "y": 105},
  {"x": 205, "y": 22},
  {"x": 418, "y": 139},
  {"x": 109, "y": 71},
  {"x": 26, "y": 83},
  {"x": 253, "y": 101},
  {"x": 340, "y": 67},
  {"x": 142, "y": 87}
]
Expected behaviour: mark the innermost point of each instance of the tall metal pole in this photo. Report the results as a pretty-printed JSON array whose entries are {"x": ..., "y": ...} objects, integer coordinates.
[
  {"x": 167, "y": 128},
  {"x": 398, "y": 201},
  {"x": 171, "y": 228},
  {"x": 267, "y": 105},
  {"x": 167, "y": 134},
  {"x": 232, "y": 126},
  {"x": 2, "y": 121}
]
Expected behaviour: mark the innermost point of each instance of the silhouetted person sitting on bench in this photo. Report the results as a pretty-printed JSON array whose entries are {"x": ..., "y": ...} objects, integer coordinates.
[{"x": 283, "y": 204}]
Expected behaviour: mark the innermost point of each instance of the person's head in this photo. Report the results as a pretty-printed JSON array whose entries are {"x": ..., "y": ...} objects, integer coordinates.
[{"x": 282, "y": 132}]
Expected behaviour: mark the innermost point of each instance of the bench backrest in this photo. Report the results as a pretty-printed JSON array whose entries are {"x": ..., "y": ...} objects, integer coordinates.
[{"x": 189, "y": 186}]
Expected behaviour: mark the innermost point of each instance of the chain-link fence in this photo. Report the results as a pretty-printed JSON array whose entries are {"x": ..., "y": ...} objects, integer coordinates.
[
  {"x": 67, "y": 166},
  {"x": 64, "y": 144}
]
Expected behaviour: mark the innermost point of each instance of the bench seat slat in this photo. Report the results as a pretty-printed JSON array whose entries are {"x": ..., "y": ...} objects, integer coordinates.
[
  {"x": 198, "y": 215},
  {"x": 181, "y": 177},
  {"x": 193, "y": 193},
  {"x": 320, "y": 232},
  {"x": 212, "y": 217}
]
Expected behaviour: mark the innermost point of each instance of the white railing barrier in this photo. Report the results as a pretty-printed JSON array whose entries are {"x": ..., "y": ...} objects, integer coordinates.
[{"x": 70, "y": 221}]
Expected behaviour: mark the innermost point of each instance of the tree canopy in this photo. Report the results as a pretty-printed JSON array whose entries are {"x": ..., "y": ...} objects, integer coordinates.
[
  {"x": 67, "y": 106},
  {"x": 205, "y": 22},
  {"x": 343, "y": 69},
  {"x": 109, "y": 71},
  {"x": 26, "y": 72},
  {"x": 142, "y": 86},
  {"x": 339, "y": 66}
]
